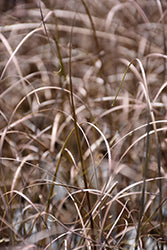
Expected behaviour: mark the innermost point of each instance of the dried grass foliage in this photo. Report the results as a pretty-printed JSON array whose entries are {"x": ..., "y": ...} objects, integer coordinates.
[{"x": 105, "y": 186}]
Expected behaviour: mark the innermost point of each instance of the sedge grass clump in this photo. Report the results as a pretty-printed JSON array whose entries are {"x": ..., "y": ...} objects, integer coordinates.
[{"x": 83, "y": 125}]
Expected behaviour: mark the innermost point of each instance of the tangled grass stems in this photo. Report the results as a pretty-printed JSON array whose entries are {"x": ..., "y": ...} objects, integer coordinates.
[{"x": 83, "y": 124}]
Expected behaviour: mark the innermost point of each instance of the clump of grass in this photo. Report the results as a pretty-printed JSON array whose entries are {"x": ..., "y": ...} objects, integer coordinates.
[{"x": 83, "y": 125}]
